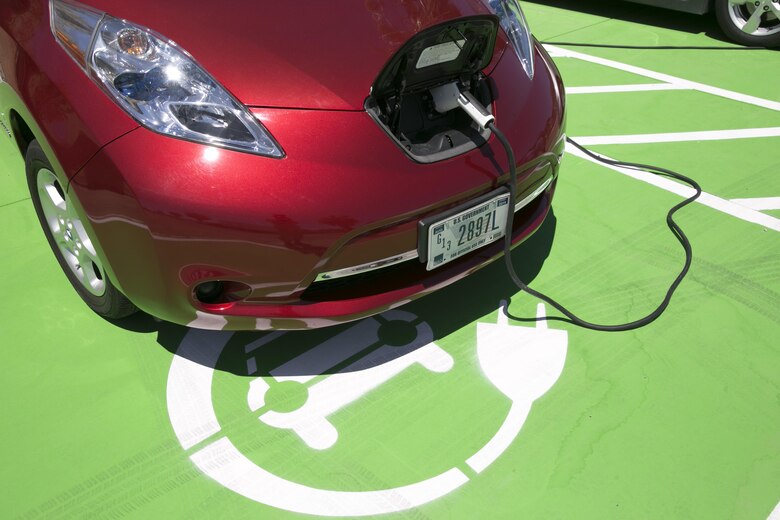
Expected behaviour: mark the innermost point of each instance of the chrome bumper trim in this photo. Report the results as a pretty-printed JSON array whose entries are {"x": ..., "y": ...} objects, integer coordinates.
[
  {"x": 538, "y": 191},
  {"x": 364, "y": 268},
  {"x": 410, "y": 255}
]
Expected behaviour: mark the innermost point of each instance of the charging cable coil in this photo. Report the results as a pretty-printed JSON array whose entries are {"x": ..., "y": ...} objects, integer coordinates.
[
  {"x": 452, "y": 95},
  {"x": 676, "y": 230}
]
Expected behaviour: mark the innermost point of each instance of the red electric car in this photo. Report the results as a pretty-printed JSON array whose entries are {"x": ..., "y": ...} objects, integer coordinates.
[{"x": 258, "y": 165}]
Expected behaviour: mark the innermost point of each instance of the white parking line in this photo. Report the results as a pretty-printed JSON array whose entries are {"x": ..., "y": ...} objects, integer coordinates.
[
  {"x": 714, "y": 135},
  {"x": 759, "y": 204},
  {"x": 658, "y": 76},
  {"x": 706, "y": 199},
  {"x": 744, "y": 209},
  {"x": 775, "y": 514},
  {"x": 608, "y": 89}
]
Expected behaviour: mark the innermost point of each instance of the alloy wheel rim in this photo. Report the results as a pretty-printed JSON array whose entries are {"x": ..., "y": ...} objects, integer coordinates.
[
  {"x": 756, "y": 17},
  {"x": 69, "y": 234}
]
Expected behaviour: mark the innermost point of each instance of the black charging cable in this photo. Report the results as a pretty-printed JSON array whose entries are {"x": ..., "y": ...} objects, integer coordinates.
[{"x": 676, "y": 230}]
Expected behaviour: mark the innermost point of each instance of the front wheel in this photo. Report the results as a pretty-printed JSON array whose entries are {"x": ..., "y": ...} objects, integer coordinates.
[
  {"x": 750, "y": 22},
  {"x": 69, "y": 240}
]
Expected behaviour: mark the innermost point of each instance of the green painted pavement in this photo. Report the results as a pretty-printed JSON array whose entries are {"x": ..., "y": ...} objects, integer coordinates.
[
  {"x": 13, "y": 185},
  {"x": 662, "y": 112},
  {"x": 751, "y": 172},
  {"x": 675, "y": 420},
  {"x": 577, "y": 73}
]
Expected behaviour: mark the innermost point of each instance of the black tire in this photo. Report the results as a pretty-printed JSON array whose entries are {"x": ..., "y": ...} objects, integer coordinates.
[
  {"x": 735, "y": 32},
  {"x": 111, "y": 303}
]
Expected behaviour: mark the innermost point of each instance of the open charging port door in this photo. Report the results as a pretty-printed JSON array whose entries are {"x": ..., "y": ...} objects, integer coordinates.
[{"x": 401, "y": 101}]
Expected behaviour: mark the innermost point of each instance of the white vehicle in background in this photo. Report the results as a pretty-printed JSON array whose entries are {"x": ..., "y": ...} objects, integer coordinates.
[{"x": 749, "y": 22}]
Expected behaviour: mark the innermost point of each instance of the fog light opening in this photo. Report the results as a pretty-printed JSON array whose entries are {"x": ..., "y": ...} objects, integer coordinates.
[
  {"x": 217, "y": 292},
  {"x": 209, "y": 292}
]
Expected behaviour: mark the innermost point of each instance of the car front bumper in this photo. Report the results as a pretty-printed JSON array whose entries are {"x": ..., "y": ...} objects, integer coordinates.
[{"x": 169, "y": 214}]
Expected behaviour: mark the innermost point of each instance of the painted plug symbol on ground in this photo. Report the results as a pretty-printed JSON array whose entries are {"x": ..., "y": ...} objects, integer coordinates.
[
  {"x": 310, "y": 421},
  {"x": 522, "y": 362}
]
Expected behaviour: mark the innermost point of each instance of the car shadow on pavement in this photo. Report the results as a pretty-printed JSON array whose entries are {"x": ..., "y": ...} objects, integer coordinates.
[{"x": 361, "y": 344}]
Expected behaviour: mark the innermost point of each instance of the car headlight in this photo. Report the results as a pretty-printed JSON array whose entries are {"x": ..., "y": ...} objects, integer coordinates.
[
  {"x": 516, "y": 28},
  {"x": 156, "y": 82}
]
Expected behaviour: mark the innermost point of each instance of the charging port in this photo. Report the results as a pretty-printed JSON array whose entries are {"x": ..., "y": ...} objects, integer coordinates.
[{"x": 401, "y": 101}]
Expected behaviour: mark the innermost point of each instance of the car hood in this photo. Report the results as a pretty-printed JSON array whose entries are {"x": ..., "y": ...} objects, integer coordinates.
[{"x": 321, "y": 55}]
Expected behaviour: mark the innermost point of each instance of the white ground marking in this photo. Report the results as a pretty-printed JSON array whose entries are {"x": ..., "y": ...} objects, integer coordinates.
[
  {"x": 553, "y": 54},
  {"x": 225, "y": 464},
  {"x": 706, "y": 199},
  {"x": 338, "y": 390},
  {"x": 311, "y": 422},
  {"x": 295, "y": 379},
  {"x": 675, "y": 137},
  {"x": 775, "y": 514},
  {"x": 759, "y": 204},
  {"x": 658, "y": 76},
  {"x": 264, "y": 340},
  {"x": 204, "y": 320},
  {"x": 609, "y": 89},
  {"x": 523, "y": 363},
  {"x": 189, "y": 386},
  {"x": 255, "y": 398},
  {"x": 332, "y": 351},
  {"x": 744, "y": 209}
]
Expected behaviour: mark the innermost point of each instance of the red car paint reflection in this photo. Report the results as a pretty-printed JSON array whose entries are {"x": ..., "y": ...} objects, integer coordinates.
[{"x": 167, "y": 214}]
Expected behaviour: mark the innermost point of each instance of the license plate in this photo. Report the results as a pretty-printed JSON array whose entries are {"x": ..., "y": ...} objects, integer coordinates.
[{"x": 451, "y": 236}]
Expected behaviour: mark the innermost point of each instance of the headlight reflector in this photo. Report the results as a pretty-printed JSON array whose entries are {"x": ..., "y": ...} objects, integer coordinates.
[
  {"x": 516, "y": 28},
  {"x": 156, "y": 82}
]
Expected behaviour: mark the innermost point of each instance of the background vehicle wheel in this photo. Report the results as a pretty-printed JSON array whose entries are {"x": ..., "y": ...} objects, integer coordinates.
[
  {"x": 750, "y": 22},
  {"x": 69, "y": 240}
]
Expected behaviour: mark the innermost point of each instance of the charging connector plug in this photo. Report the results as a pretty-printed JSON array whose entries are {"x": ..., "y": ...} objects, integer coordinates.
[
  {"x": 450, "y": 96},
  {"x": 475, "y": 110}
]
